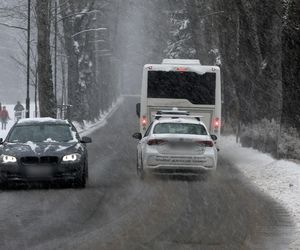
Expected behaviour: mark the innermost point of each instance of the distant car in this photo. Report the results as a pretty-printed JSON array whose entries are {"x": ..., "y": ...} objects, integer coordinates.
[
  {"x": 176, "y": 144},
  {"x": 44, "y": 149}
]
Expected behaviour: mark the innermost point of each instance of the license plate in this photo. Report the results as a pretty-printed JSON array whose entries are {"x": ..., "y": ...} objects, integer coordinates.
[{"x": 39, "y": 171}]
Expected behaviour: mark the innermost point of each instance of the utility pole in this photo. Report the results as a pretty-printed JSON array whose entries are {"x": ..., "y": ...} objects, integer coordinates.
[
  {"x": 55, "y": 52},
  {"x": 28, "y": 61}
]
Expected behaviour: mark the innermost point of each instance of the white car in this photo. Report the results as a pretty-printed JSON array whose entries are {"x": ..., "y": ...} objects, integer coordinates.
[{"x": 176, "y": 144}]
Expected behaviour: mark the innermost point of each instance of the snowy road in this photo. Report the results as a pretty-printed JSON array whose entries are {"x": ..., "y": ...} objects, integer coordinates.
[{"x": 118, "y": 211}]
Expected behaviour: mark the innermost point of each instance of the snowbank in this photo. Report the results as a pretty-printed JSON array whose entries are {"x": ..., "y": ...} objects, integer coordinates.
[
  {"x": 278, "y": 178},
  {"x": 85, "y": 129},
  {"x": 11, "y": 122},
  {"x": 89, "y": 127}
]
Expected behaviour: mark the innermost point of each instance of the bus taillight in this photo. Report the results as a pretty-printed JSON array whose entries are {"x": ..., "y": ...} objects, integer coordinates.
[
  {"x": 144, "y": 121},
  {"x": 182, "y": 69},
  {"x": 217, "y": 123}
]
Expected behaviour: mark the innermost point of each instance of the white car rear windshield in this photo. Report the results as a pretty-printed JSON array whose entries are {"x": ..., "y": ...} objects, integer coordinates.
[{"x": 179, "y": 128}]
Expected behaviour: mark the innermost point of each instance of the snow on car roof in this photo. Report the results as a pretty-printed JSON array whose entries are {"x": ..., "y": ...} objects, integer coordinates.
[
  {"x": 179, "y": 120},
  {"x": 27, "y": 121}
]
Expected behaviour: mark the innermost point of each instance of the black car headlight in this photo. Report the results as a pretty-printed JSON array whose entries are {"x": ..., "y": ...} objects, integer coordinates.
[
  {"x": 71, "y": 158},
  {"x": 8, "y": 159}
]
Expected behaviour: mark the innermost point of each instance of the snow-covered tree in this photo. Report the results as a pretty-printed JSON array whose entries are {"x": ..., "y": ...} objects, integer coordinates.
[{"x": 180, "y": 42}]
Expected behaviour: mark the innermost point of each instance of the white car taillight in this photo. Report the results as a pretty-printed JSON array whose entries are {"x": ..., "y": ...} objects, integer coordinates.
[
  {"x": 156, "y": 142},
  {"x": 208, "y": 144}
]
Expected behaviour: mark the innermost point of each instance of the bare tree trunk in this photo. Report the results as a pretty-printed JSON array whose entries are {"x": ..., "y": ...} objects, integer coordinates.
[{"x": 45, "y": 83}]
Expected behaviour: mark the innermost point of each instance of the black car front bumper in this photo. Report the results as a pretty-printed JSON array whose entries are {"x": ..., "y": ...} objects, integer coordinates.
[{"x": 54, "y": 172}]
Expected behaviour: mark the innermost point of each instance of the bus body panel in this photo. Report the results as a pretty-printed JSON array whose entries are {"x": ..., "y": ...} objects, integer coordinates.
[
  {"x": 207, "y": 112},
  {"x": 149, "y": 106}
]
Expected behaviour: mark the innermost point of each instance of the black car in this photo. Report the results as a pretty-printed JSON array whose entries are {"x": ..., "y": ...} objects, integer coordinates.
[{"x": 44, "y": 149}]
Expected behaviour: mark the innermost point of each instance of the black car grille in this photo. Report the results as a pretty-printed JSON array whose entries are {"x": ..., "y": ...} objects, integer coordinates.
[
  {"x": 49, "y": 159},
  {"x": 39, "y": 160},
  {"x": 30, "y": 160}
]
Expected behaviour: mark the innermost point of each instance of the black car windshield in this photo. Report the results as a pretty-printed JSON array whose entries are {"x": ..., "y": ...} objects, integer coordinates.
[
  {"x": 180, "y": 128},
  {"x": 41, "y": 133}
]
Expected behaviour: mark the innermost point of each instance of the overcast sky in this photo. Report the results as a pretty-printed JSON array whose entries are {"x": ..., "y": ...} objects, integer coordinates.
[{"x": 12, "y": 80}]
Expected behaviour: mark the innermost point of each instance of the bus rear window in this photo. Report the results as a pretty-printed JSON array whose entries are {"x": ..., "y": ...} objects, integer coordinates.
[{"x": 198, "y": 89}]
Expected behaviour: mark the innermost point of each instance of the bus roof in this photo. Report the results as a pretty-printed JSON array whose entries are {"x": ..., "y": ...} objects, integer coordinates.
[{"x": 181, "y": 62}]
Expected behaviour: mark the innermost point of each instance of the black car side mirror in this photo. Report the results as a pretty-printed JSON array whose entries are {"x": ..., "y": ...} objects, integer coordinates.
[
  {"x": 1, "y": 140},
  {"x": 137, "y": 136},
  {"x": 86, "y": 139},
  {"x": 214, "y": 137},
  {"x": 138, "y": 110}
]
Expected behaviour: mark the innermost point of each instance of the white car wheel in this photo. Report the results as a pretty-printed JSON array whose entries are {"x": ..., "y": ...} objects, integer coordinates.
[{"x": 140, "y": 169}]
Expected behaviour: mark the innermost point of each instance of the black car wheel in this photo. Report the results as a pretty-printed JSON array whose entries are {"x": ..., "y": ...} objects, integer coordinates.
[
  {"x": 80, "y": 181},
  {"x": 3, "y": 185}
]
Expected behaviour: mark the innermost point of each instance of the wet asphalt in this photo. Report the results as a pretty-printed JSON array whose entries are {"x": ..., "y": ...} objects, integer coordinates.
[{"x": 119, "y": 211}]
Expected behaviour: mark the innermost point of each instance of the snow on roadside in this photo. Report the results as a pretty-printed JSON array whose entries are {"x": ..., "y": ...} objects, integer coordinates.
[
  {"x": 86, "y": 129},
  {"x": 280, "y": 179},
  {"x": 89, "y": 127},
  {"x": 11, "y": 122}
]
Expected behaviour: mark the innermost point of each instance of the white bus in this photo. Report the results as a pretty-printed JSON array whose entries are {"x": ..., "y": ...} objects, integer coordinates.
[{"x": 183, "y": 84}]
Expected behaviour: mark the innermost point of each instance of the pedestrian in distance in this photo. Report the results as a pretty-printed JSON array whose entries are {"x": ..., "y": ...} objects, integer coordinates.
[
  {"x": 19, "y": 108},
  {"x": 4, "y": 117}
]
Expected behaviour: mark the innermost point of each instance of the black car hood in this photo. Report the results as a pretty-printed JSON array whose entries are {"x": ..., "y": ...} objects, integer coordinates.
[{"x": 40, "y": 148}]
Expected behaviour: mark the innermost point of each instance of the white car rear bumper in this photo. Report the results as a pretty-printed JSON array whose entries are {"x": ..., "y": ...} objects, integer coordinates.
[{"x": 177, "y": 162}]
